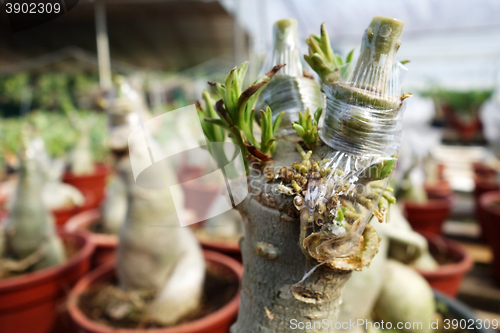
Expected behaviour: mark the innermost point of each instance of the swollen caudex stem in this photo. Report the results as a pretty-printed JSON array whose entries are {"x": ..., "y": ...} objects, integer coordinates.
[
  {"x": 379, "y": 45},
  {"x": 114, "y": 207},
  {"x": 29, "y": 234},
  {"x": 81, "y": 159},
  {"x": 125, "y": 112},
  {"x": 154, "y": 253}
]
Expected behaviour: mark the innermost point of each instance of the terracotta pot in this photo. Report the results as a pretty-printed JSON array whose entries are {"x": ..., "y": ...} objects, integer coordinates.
[
  {"x": 29, "y": 302},
  {"x": 490, "y": 204},
  {"x": 466, "y": 128},
  {"x": 483, "y": 185},
  {"x": 105, "y": 245},
  {"x": 428, "y": 216},
  {"x": 198, "y": 196},
  {"x": 231, "y": 249},
  {"x": 95, "y": 183},
  {"x": 440, "y": 189},
  {"x": 447, "y": 278},
  {"x": 63, "y": 215},
  {"x": 216, "y": 322}
]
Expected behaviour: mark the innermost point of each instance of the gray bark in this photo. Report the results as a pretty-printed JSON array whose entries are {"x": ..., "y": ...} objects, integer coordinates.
[
  {"x": 274, "y": 262},
  {"x": 30, "y": 227}
]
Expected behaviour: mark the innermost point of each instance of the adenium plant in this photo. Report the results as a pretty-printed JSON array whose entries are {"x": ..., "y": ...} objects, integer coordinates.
[{"x": 290, "y": 270}]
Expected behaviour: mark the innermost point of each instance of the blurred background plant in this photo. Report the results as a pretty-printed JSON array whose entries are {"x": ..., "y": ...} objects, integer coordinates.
[{"x": 464, "y": 103}]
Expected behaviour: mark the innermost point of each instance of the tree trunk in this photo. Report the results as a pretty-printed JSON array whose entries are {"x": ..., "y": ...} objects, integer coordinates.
[{"x": 271, "y": 299}]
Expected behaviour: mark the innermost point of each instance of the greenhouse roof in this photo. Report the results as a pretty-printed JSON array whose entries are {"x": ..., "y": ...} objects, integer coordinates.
[
  {"x": 455, "y": 43},
  {"x": 164, "y": 35}
]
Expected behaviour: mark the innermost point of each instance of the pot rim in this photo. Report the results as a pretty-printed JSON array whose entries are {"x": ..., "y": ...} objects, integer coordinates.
[
  {"x": 228, "y": 247},
  {"x": 448, "y": 270},
  {"x": 74, "y": 226},
  {"x": 38, "y": 277},
  {"x": 429, "y": 204},
  {"x": 101, "y": 170},
  {"x": 230, "y": 308}
]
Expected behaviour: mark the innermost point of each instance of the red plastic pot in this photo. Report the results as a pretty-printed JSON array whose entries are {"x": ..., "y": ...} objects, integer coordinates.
[
  {"x": 94, "y": 183},
  {"x": 490, "y": 204},
  {"x": 216, "y": 322},
  {"x": 448, "y": 277},
  {"x": 429, "y": 216},
  {"x": 29, "y": 303},
  {"x": 483, "y": 185},
  {"x": 440, "y": 189},
  {"x": 105, "y": 245},
  {"x": 61, "y": 216}
]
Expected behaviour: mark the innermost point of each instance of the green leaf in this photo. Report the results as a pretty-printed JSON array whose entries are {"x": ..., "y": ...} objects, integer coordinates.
[
  {"x": 299, "y": 129},
  {"x": 317, "y": 114},
  {"x": 325, "y": 43},
  {"x": 317, "y": 48},
  {"x": 277, "y": 122},
  {"x": 340, "y": 62},
  {"x": 348, "y": 59}
]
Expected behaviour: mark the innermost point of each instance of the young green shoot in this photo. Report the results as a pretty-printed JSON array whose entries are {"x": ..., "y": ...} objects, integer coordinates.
[
  {"x": 236, "y": 111},
  {"x": 212, "y": 132},
  {"x": 268, "y": 129},
  {"x": 307, "y": 126},
  {"x": 321, "y": 57}
]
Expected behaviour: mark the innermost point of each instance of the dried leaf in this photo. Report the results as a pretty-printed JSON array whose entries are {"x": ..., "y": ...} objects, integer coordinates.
[{"x": 257, "y": 153}]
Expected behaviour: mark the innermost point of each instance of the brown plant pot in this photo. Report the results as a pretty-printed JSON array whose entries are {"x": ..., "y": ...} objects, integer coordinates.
[
  {"x": 29, "y": 302},
  {"x": 61, "y": 216},
  {"x": 429, "y": 216},
  {"x": 95, "y": 183},
  {"x": 105, "y": 245},
  {"x": 490, "y": 204},
  {"x": 216, "y": 322},
  {"x": 483, "y": 185},
  {"x": 447, "y": 277},
  {"x": 440, "y": 189}
]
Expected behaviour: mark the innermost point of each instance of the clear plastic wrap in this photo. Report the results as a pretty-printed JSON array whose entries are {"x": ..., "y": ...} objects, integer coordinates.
[
  {"x": 363, "y": 125},
  {"x": 289, "y": 90},
  {"x": 363, "y": 120}
]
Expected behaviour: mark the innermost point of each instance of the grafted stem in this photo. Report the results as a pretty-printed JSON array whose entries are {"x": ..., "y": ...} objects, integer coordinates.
[{"x": 379, "y": 45}]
